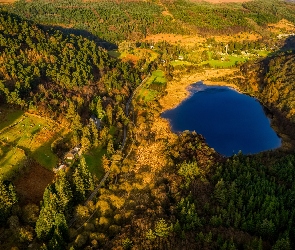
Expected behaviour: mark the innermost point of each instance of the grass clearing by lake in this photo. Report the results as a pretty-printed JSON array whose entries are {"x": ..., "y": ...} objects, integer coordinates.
[
  {"x": 153, "y": 85},
  {"x": 147, "y": 94},
  {"x": 227, "y": 62},
  {"x": 180, "y": 63}
]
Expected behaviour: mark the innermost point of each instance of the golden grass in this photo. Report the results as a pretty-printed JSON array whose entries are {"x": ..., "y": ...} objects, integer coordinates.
[
  {"x": 7, "y": 1},
  {"x": 192, "y": 40},
  {"x": 222, "y": 1},
  {"x": 282, "y": 26},
  {"x": 177, "y": 90}
]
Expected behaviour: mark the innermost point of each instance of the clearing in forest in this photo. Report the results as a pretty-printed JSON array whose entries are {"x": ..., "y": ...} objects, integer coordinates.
[
  {"x": 23, "y": 136},
  {"x": 93, "y": 160},
  {"x": 153, "y": 86}
]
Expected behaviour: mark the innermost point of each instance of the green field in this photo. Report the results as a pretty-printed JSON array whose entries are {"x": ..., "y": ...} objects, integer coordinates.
[
  {"x": 139, "y": 53},
  {"x": 11, "y": 161},
  {"x": 227, "y": 62},
  {"x": 263, "y": 53},
  {"x": 25, "y": 135},
  {"x": 114, "y": 53},
  {"x": 8, "y": 116},
  {"x": 151, "y": 88},
  {"x": 180, "y": 63},
  {"x": 93, "y": 160}
]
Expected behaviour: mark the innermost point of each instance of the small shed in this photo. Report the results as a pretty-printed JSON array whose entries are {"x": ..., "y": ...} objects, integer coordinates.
[
  {"x": 62, "y": 166},
  {"x": 96, "y": 121},
  {"x": 69, "y": 156}
]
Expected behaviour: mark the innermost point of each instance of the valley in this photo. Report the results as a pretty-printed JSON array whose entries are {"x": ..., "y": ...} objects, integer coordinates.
[{"x": 95, "y": 76}]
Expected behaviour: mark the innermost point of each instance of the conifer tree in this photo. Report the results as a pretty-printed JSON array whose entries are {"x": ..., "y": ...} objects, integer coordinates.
[
  {"x": 99, "y": 109},
  {"x": 64, "y": 191},
  {"x": 94, "y": 134},
  {"x": 7, "y": 200}
]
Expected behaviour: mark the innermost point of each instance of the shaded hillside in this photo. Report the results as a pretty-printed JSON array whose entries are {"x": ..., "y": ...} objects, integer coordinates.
[{"x": 115, "y": 21}]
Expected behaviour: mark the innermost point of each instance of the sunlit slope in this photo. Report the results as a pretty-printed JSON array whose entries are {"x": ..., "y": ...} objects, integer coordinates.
[
  {"x": 110, "y": 22},
  {"x": 26, "y": 136}
]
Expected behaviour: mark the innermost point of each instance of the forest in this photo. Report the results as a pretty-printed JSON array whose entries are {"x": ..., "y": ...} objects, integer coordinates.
[
  {"x": 88, "y": 118},
  {"x": 110, "y": 22}
]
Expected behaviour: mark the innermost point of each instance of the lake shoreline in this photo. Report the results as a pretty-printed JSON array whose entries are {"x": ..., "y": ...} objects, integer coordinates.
[
  {"x": 178, "y": 89},
  {"x": 249, "y": 130}
]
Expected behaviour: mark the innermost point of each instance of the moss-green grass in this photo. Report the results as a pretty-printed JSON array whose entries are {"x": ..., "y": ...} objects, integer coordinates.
[
  {"x": 9, "y": 116},
  {"x": 93, "y": 161},
  {"x": 11, "y": 160},
  {"x": 229, "y": 61},
  {"x": 180, "y": 63},
  {"x": 263, "y": 53},
  {"x": 25, "y": 135},
  {"x": 145, "y": 93},
  {"x": 114, "y": 53}
]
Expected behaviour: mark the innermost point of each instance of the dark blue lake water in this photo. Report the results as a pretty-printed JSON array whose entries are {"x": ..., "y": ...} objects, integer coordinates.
[{"x": 229, "y": 121}]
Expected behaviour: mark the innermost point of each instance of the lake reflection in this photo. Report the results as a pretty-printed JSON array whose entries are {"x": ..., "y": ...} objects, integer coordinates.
[{"x": 230, "y": 121}]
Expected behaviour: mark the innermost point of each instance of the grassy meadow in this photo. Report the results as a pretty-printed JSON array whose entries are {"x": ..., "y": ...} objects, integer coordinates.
[
  {"x": 93, "y": 161},
  {"x": 151, "y": 88},
  {"x": 25, "y": 135}
]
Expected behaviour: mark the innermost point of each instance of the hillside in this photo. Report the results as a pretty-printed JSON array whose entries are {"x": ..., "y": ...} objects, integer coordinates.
[
  {"x": 271, "y": 80},
  {"x": 110, "y": 22}
]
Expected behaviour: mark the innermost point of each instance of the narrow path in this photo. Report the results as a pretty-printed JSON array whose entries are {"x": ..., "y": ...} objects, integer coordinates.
[
  {"x": 128, "y": 105},
  {"x": 98, "y": 187},
  {"x": 92, "y": 195}
]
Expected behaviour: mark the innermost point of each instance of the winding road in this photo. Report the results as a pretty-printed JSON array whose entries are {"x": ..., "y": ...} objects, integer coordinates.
[{"x": 92, "y": 195}]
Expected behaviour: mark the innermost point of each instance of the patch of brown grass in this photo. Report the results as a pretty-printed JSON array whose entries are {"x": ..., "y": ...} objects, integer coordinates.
[
  {"x": 31, "y": 185},
  {"x": 174, "y": 39},
  {"x": 131, "y": 58},
  {"x": 177, "y": 90},
  {"x": 282, "y": 26},
  {"x": 192, "y": 40}
]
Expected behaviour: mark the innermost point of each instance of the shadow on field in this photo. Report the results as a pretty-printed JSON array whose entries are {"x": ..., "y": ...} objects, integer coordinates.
[
  {"x": 9, "y": 116},
  {"x": 31, "y": 184}
]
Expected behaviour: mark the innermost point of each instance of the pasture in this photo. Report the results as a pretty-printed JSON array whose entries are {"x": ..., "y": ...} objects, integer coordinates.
[
  {"x": 226, "y": 62},
  {"x": 93, "y": 160},
  {"x": 153, "y": 86},
  {"x": 23, "y": 136}
]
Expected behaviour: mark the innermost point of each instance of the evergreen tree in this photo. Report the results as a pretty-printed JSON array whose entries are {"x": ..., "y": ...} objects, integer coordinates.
[
  {"x": 94, "y": 134},
  {"x": 64, "y": 191},
  {"x": 82, "y": 179},
  {"x": 99, "y": 110},
  {"x": 7, "y": 200}
]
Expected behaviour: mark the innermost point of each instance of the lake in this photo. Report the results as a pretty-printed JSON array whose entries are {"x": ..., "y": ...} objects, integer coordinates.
[{"x": 229, "y": 121}]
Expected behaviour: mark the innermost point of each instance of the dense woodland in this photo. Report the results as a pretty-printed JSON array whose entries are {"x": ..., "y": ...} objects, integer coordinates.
[
  {"x": 163, "y": 190},
  {"x": 113, "y": 21}
]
